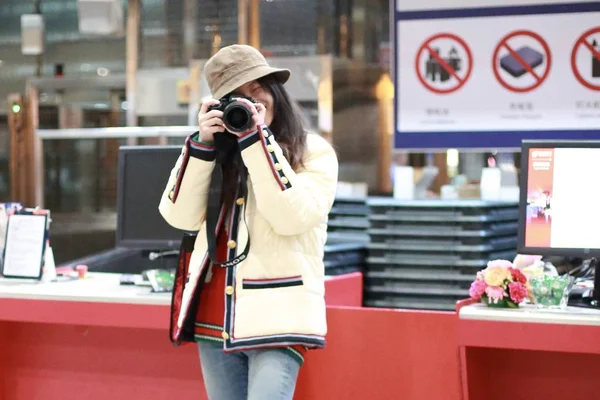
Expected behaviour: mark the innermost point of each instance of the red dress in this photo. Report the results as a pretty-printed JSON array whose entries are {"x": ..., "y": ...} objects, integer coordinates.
[{"x": 211, "y": 309}]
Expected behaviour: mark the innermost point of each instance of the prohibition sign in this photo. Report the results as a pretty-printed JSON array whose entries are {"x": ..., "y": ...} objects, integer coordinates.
[
  {"x": 539, "y": 79},
  {"x": 427, "y": 48},
  {"x": 582, "y": 41}
]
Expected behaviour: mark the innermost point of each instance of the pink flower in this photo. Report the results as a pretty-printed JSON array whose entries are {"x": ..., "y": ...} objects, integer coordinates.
[
  {"x": 500, "y": 264},
  {"x": 477, "y": 289},
  {"x": 518, "y": 292},
  {"x": 495, "y": 294}
]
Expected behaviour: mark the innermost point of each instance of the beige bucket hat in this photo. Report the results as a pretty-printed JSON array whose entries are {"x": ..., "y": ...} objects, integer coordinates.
[{"x": 236, "y": 65}]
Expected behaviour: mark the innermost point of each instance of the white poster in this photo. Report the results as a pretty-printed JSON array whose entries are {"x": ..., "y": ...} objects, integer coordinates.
[
  {"x": 421, "y": 5},
  {"x": 24, "y": 246},
  {"x": 502, "y": 73}
]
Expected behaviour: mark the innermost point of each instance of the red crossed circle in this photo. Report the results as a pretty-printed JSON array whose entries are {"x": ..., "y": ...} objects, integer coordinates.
[
  {"x": 538, "y": 79},
  {"x": 595, "y": 53},
  {"x": 426, "y": 47}
]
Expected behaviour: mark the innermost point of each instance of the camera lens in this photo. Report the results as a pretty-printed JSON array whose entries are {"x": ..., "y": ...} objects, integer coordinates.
[{"x": 237, "y": 118}]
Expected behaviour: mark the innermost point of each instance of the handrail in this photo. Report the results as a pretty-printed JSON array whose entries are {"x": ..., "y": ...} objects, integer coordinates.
[
  {"x": 116, "y": 81},
  {"x": 116, "y": 132}
]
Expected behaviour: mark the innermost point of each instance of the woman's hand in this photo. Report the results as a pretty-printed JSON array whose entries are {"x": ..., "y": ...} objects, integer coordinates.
[
  {"x": 209, "y": 122},
  {"x": 258, "y": 111}
]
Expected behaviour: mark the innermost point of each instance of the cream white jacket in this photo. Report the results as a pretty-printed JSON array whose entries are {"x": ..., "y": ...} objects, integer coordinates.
[{"x": 275, "y": 295}]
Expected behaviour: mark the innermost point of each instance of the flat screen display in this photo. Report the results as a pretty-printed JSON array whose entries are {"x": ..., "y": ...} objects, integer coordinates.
[
  {"x": 562, "y": 208},
  {"x": 143, "y": 175}
]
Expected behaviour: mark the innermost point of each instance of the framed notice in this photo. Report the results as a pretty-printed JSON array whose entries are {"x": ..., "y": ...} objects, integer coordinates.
[
  {"x": 6, "y": 209},
  {"x": 487, "y": 74},
  {"x": 25, "y": 245}
]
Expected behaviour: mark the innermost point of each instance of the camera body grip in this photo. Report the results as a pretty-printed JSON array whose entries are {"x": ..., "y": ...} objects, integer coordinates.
[{"x": 236, "y": 115}]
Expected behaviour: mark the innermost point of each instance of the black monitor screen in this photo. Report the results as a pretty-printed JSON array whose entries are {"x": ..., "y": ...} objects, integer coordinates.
[
  {"x": 143, "y": 175},
  {"x": 558, "y": 207}
]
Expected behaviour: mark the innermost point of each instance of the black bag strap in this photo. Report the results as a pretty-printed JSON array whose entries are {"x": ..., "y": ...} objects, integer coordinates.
[{"x": 227, "y": 151}]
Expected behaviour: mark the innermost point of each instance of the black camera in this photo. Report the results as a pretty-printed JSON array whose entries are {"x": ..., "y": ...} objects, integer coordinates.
[{"x": 236, "y": 115}]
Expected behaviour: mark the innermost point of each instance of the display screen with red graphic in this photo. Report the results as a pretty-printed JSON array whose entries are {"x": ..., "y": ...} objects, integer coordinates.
[{"x": 563, "y": 198}]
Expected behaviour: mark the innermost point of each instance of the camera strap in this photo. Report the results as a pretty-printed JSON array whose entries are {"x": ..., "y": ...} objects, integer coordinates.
[{"x": 227, "y": 151}]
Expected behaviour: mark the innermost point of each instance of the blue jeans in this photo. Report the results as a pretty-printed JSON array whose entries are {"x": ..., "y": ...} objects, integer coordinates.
[{"x": 268, "y": 374}]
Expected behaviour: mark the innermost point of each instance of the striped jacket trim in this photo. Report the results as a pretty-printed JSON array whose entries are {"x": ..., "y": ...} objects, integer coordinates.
[
  {"x": 272, "y": 283},
  {"x": 248, "y": 139},
  {"x": 269, "y": 150},
  {"x": 209, "y": 326},
  {"x": 296, "y": 355},
  {"x": 203, "y": 151}
]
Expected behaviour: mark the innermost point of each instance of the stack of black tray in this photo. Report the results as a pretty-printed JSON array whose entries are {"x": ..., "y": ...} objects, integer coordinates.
[
  {"x": 349, "y": 220},
  {"x": 344, "y": 258},
  {"x": 424, "y": 254}
]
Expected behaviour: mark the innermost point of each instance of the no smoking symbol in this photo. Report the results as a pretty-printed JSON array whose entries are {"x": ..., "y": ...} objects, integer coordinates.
[
  {"x": 587, "y": 52},
  {"x": 446, "y": 69}
]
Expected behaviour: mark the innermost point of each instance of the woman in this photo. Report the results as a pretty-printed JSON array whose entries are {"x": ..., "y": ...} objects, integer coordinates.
[{"x": 252, "y": 292}]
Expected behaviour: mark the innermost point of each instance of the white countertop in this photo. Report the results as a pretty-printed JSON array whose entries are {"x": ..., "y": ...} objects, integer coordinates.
[
  {"x": 96, "y": 287},
  {"x": 532, "y": 314}
]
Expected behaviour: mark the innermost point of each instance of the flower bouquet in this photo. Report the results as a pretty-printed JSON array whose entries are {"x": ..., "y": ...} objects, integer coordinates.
[{"x": 500, "y": 285}]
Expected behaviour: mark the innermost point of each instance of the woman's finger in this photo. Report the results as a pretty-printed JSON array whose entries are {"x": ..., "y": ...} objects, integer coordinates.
[
  {"x": 206, "y": 104},
  {"x": 260, "y": 107},
  {"x": 215, "y": 129},
  {"x": 213, "y": 122},
  {"x": 212, "y": 114},
  {"x": 209, "y": 116},
  {"x": 251, "y": 105}
]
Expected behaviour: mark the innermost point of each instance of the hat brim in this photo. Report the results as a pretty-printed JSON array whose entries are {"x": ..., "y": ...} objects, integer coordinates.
[{"x": 252, "y": 74}]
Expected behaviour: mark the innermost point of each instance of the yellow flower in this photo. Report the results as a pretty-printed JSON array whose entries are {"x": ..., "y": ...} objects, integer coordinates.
[
  {"x": 529, "y": 293},
  {"x": 496, "y": 276}
]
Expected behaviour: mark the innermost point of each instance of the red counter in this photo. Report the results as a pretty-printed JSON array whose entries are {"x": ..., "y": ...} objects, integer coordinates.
[
  {"x": 62, "y": 342},
  {"x": 528, "y": 354},
  {"x": 72, "y": 343}
]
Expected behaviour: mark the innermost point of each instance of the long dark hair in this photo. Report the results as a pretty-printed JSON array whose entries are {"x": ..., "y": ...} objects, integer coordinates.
[{"x": 287, "y": 127}]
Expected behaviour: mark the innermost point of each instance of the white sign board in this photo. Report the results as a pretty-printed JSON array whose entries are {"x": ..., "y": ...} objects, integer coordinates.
[
  {"x": 420, "y": 5},
  {"x": 24, "y": 246},
  {"x": 512, "y": 71}
]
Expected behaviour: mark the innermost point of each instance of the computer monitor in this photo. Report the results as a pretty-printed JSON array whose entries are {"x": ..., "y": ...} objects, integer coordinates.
[
  {"x": 560, "y": 199},
  {"x": 559, "y": 208},
  {"x": 142, "y": 178}
]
